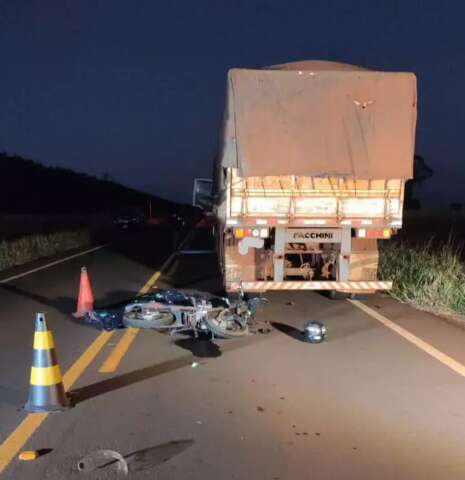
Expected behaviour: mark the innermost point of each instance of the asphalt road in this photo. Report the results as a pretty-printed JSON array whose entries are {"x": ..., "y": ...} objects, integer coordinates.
[{"x": 372, "y": 401}]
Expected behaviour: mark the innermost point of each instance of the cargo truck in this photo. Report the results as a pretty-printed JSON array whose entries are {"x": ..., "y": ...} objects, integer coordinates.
[{"x": 310, "y": 175}]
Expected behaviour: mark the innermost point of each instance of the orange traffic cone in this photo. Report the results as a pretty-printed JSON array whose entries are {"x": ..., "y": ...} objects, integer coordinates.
[{"x": 86, "y": 297}]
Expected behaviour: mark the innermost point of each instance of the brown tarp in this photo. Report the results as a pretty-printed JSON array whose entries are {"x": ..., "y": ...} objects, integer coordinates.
[{"x": 318, "y": 119}]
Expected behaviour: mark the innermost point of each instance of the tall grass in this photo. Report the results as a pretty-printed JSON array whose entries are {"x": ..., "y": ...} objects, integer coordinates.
[
  {"x": 32, "y": 247},
  {"x": 430, "y": 276}
]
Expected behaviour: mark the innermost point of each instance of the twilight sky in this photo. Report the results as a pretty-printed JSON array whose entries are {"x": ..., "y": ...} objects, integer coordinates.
[{"x": 136, "y": 88}]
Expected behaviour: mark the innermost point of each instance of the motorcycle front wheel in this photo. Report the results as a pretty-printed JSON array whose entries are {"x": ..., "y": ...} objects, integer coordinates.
[{"x": 227, "y": 324}]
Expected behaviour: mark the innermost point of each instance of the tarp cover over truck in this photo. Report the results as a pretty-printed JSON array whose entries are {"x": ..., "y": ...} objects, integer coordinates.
[{"x": 320, "y": 119}]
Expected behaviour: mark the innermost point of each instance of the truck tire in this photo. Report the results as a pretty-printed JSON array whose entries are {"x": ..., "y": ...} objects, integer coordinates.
[
  {"x": 336, "y": 295},
  {"x": 358, "y": 296}
]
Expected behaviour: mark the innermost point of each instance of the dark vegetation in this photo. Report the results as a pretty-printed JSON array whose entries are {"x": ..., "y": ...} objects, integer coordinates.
[
  {"x": 421, "y": 172},
  {"x": 48, "y": 210},
  {"x": 40, "y": 200},
  {"x": 425, "y": 261}
]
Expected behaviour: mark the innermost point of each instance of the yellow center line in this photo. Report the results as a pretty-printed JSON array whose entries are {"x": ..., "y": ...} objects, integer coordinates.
[
  {"x": 70, "y": 377},
  {"x": 418, "y": 342},
  {"x": 116, "y": 355},
  {"x": 17, "y": 439}
]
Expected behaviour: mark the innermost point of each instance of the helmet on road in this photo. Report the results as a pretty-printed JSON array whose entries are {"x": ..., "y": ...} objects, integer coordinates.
[{"x": 314, "y": 332}]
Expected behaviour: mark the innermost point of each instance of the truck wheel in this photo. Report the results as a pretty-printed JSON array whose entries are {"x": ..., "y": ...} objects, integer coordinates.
[
  {"x": 358, "y": 296},
  {"x": 336, "y": 295}
]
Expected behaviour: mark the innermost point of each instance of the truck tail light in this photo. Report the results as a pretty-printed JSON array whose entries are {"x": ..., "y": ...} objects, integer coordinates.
[
  {"x": 374, "y": 233},
  {"x": 240, "y": 233}
]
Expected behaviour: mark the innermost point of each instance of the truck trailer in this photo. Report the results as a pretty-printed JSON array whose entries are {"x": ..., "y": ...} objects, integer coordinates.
[{"x": 310, "y": 175}]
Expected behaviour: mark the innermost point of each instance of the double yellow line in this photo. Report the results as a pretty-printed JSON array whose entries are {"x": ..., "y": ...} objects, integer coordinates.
[
  {"x": 10, "y": 447},
  {"x": 18, "y": 438},
  {"x": 117, "y": 354},
  {"x": 115, "y": 357}
]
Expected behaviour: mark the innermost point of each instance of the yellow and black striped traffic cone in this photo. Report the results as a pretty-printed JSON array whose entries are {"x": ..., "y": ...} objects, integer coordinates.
[{"x": 46, "y": 392}]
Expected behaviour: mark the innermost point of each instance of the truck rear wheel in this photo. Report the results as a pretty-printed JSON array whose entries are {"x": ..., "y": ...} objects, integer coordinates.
[{"x": 336, "y": 295}]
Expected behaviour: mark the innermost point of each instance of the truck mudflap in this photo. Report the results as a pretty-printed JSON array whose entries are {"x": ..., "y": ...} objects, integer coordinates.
[{"x": 349, "y": 287}]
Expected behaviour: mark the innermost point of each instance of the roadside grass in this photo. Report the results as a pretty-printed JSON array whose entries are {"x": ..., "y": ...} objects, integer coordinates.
[
  {"x": 430, "y": 276},
  {"x": 32, "y": 247}
]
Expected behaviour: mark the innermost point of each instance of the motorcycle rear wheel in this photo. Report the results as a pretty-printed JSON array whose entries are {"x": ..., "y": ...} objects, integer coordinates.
[
  {"x": 157, "y": 320},
  {"x": 227, "y": 324}
]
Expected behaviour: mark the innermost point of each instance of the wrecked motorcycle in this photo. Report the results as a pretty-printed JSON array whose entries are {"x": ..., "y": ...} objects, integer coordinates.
[{"x": 177, "y": 312}]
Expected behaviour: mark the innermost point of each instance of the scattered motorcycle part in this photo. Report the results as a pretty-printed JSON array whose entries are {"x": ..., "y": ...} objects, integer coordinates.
[
  {"x": 100, "y": 459},
  {"x": 28, "y": 455}
]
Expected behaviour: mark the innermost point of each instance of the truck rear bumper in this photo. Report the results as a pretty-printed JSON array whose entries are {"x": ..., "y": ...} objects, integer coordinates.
[{"x": 348, "y": 287}]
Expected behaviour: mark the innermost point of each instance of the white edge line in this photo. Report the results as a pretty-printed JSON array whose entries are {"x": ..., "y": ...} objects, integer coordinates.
[
  {"x": 56, "y": 262},
  {"x": 418, "y": 342}
]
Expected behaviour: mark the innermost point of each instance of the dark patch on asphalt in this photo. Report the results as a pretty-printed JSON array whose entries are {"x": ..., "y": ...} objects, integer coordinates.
[
  {"x": 153, "y": 456},
  {"x": 67, "y": 305},
  {"x": 289, "y": 330},
  {"x": 12, "y": 396},
  {"x": 44, "y": 451},
  {"x": 200, "y": 347},
  {"x": 115, "y": 383},
  {"x": 126, "y": 379}
]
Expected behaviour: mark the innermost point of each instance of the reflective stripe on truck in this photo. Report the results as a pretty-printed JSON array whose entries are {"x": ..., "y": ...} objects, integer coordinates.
[{"x": 317, "y": 285}]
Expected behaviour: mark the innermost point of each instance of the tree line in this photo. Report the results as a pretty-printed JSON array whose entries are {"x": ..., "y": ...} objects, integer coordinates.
[{"x": 27, "y": 187}]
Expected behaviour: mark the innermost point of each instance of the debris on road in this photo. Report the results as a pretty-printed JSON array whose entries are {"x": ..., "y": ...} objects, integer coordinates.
[
  {"x": 198, "y": 312},
  {"x": 28, "y": 455},
  {"x": 101, "y": 459},
  {"x": 177, "y": 311},
  {"x": 260, "y": 409},
  {"x": 194, "y": 364},
  {"x": 104, "y": 319}
]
